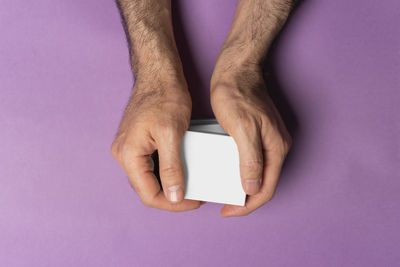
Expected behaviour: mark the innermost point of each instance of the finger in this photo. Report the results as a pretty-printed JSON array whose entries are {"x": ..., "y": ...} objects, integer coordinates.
[
  {"x": 143, "y": 180},
  {"x": 248, "y": 140},
  {"x": 271, "y": 172},
  {"x": 161, "y": 202},
  {"x": 139, "y": 169},
  {"x": 170, "y": 162},
  {"x": 139, "y": 166}
]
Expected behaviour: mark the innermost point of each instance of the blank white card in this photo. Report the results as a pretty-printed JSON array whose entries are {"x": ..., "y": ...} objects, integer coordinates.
[{"x": 211, "y": 162}]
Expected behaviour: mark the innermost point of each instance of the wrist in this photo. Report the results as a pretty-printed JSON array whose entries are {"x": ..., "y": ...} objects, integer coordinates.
[
  {"x": 242, "y": 78},
  {"x": 236, "y": 63},
  {"x": 255, "y": 26},
  {"x": 160, "y": 66},
  {"x": 167, "y": 81},
  {"x": 235, "y": 57},
  {"x": 152, "y": 69}
]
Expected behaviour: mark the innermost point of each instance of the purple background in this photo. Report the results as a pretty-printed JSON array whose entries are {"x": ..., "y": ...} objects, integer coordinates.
[{"x": 64, "y": 81}]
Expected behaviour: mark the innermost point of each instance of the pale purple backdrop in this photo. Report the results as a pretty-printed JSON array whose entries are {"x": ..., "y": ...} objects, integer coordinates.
[{"x": 64, "y": 81}]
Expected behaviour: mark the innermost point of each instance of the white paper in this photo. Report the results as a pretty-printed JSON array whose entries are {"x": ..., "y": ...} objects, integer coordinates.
[{"x": 211, "y": 162}]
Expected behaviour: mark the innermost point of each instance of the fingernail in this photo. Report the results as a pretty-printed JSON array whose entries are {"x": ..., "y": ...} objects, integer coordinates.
[
  {"x": 175, "y": 193},
  {"x": 252, "y": 185}
]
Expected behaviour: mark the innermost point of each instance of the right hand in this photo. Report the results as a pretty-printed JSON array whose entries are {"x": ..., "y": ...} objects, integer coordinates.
[{"x": 156, "y": 118}]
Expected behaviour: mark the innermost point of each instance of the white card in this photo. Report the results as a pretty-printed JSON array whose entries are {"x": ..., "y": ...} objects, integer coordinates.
[{"x": 211, "y": 162}]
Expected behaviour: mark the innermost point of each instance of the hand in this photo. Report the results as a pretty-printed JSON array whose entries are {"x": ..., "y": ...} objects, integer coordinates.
[
  {"x": 245, "y": 111},
  {"x": 156, "y": 118}
]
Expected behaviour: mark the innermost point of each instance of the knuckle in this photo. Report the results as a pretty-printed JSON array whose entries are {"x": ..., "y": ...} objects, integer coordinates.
[
  {"x": 118, "y": 150},
  {"x": 244, "y": 127},
  {"x": 251, "y": 167},
  {"x": 125, "y": 153},
  {"x": 170, "y": 171},
  {"x": 287, "y": 141},
  {"x": 115, "y": 149},
  {"x": 133, "y": 185},
  {"x": 268, "y": 196},
  {"x": 218, "y": 90},
  {"x": 168, "y": 132},
  {"x": 245, "y": 123},
  {"x": 147, "y": 202},
  {"x": 281, "y": 145},
  {"x": 288, "y": 144}
]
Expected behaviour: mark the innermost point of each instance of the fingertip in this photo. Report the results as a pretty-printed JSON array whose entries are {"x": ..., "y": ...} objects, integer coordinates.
[
  {"x": 161, "y": 202},
  {"x": 251, "y": 186},
  {"x": 172, "y": 174},
  {"x": 174, "y": 193},
  {"x": 224, "y": 213},
  {"x": 232, "y": 211},
  {"x": 197, "y": 203}
]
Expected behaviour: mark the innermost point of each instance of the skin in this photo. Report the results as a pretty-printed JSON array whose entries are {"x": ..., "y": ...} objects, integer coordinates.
[{"x": 159, "y": 109}]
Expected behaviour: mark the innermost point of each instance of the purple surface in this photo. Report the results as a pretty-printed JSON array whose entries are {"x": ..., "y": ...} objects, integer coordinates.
[{"x": 64, "y": 81}]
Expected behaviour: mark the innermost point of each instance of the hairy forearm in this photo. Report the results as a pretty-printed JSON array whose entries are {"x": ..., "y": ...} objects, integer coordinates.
[
  {"x": 151, "y": 41},
  {"x": 255, "y": 25}
]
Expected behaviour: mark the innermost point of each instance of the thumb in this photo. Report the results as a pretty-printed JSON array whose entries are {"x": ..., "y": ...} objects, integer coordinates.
[
  {"x": 170, "y": 163},
  {"x": 249, "y": 144}
]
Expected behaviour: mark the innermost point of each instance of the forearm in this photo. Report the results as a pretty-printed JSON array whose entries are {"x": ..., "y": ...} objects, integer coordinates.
[
  {"x": 255, "y": 25},
  {"x": 151, "y": 41},
  {"x": 159, "y": 109}
]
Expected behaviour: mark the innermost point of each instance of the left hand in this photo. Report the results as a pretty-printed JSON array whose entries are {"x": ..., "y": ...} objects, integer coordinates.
[{"x": 245, "y": 111}]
